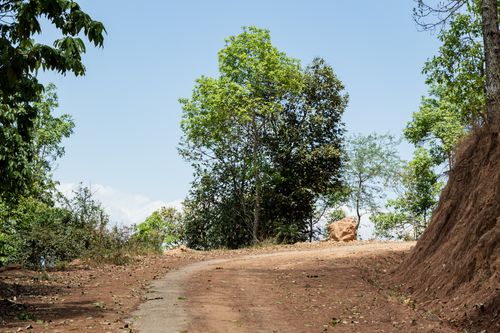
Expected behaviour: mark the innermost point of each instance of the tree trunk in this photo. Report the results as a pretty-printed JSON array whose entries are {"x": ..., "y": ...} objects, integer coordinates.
[
  {"x": 256, "y": 212},
  {"x": 415, "y": 228},
  {"x": 311, "y": 232},
  {"x": 358, "y": 202},
  {"x": 491, "y": 39},
  {"x": 358, "y": 214},
  {"x": 256, "y": 175}
]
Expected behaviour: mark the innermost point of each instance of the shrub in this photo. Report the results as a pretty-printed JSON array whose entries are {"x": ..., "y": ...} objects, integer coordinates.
[{"x": 162, "y": 229}]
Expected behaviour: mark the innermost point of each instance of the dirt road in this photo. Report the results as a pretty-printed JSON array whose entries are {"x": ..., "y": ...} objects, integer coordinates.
[{"x": 315, "y": 290}]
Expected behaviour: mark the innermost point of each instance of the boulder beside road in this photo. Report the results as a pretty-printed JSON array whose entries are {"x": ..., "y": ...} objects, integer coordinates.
[{"x": 343, "y": 230}]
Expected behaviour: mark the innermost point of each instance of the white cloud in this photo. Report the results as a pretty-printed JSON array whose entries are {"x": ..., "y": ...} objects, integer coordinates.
[{"x": 123, "y": 208}]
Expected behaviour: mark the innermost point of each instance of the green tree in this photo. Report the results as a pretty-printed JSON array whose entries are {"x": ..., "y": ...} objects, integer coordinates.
[
  {"x": 254, "y": 78},
  {"x": 456, "y": 77},
  {"x": 37, "y": 234},
  {"x": 49, "y": 131},
  {"x": 456, "y": 103},
  {"x": 305, "y": 150},
  {"x": 264, "y": 130},
  {"x": 372, "y": 163},
  {"x": 436, "y": 126},
  {"x": 473, "y": 36},
  {"x": 86, "y": 210},
  {"x": 161, "y": 229},
  {"x": 21, "y": 58},
  {"x": 418, "y": 190}
]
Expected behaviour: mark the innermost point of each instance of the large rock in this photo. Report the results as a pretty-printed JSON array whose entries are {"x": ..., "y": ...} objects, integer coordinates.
[{"x": 343, "y": 230}]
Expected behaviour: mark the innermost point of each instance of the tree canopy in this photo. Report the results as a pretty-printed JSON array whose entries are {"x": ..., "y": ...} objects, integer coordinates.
[
  {"x": 21, "y": 56},
  {"x": 265, "y": 139},
  {"x": 468, "y": 20}
]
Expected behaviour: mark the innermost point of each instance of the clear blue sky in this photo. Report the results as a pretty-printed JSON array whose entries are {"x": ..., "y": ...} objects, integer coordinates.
[{"x": 126, "y": 108}]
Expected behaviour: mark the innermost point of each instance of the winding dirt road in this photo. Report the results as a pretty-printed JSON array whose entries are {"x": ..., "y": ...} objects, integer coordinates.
[{"x": 314, "y": 290}]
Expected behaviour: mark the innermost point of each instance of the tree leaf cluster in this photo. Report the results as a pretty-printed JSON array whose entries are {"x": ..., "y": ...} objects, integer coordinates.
[{"x": 46, "y": 145}]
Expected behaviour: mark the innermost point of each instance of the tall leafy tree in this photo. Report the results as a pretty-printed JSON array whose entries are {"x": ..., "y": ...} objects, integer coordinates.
[
  {"x": 457, "y": 101},
  {"x": 305, "y": 148},
  {"x": 48, "y": 132},
  {"x": 264, "y": 130},
  {"x": 21, "y": 56},
  {"x": 372, "y": 164},
  {"x": 265, "y": 75},
  {"x": 226, "y": 117}
]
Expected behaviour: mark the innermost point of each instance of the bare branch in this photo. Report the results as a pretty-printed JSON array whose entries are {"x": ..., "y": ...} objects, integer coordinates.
[{"x": 429, "y": 17}]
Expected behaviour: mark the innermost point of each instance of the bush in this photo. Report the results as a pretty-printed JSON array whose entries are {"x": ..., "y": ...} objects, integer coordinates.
[
  {"x": 38, "y": 234},
  {"x": 289, "y": 234},
  {"x": 114, "y": 246},
  {"x": 162, "y": 229}
]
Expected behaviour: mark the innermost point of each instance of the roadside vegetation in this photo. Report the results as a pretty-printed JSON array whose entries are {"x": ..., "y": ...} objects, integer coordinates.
[{"x": 273, "y": 161}]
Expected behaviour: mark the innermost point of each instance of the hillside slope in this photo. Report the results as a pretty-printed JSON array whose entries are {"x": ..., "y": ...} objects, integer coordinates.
[{"x": 454, "y": 268}]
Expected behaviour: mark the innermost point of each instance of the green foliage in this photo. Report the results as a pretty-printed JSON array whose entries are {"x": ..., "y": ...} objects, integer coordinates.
[
  {"x": 20, "y": 92},
  {"x": 336, "y": 215},
  {"x": 438, "y": 126},
  {"x": 373, "y": 163},
  {"x": 305, "y": 148},
  {"x": 22, "y": 56},
  {"x": 456, "y": 78},
  {"x": 455, "y": 104},
  {"x": 333, "y": 216},
  {"x": 411, "y": 211},
  {"x": 392, "y": 224},
  {"x": 459, "y": 66},
  {"x": 49, "y": 131},
  {"x": 287, "y": 233},
  {"x": 214, "y": 217},
  {"x": 45, "y": 147},
  {"x": 30, "y": 225},
  {"x": 38, "y": 234},
  {"x": 265, "y": 140},
  {"x": 112, "y": 246},
  {"x": 163, "y": 228}
]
